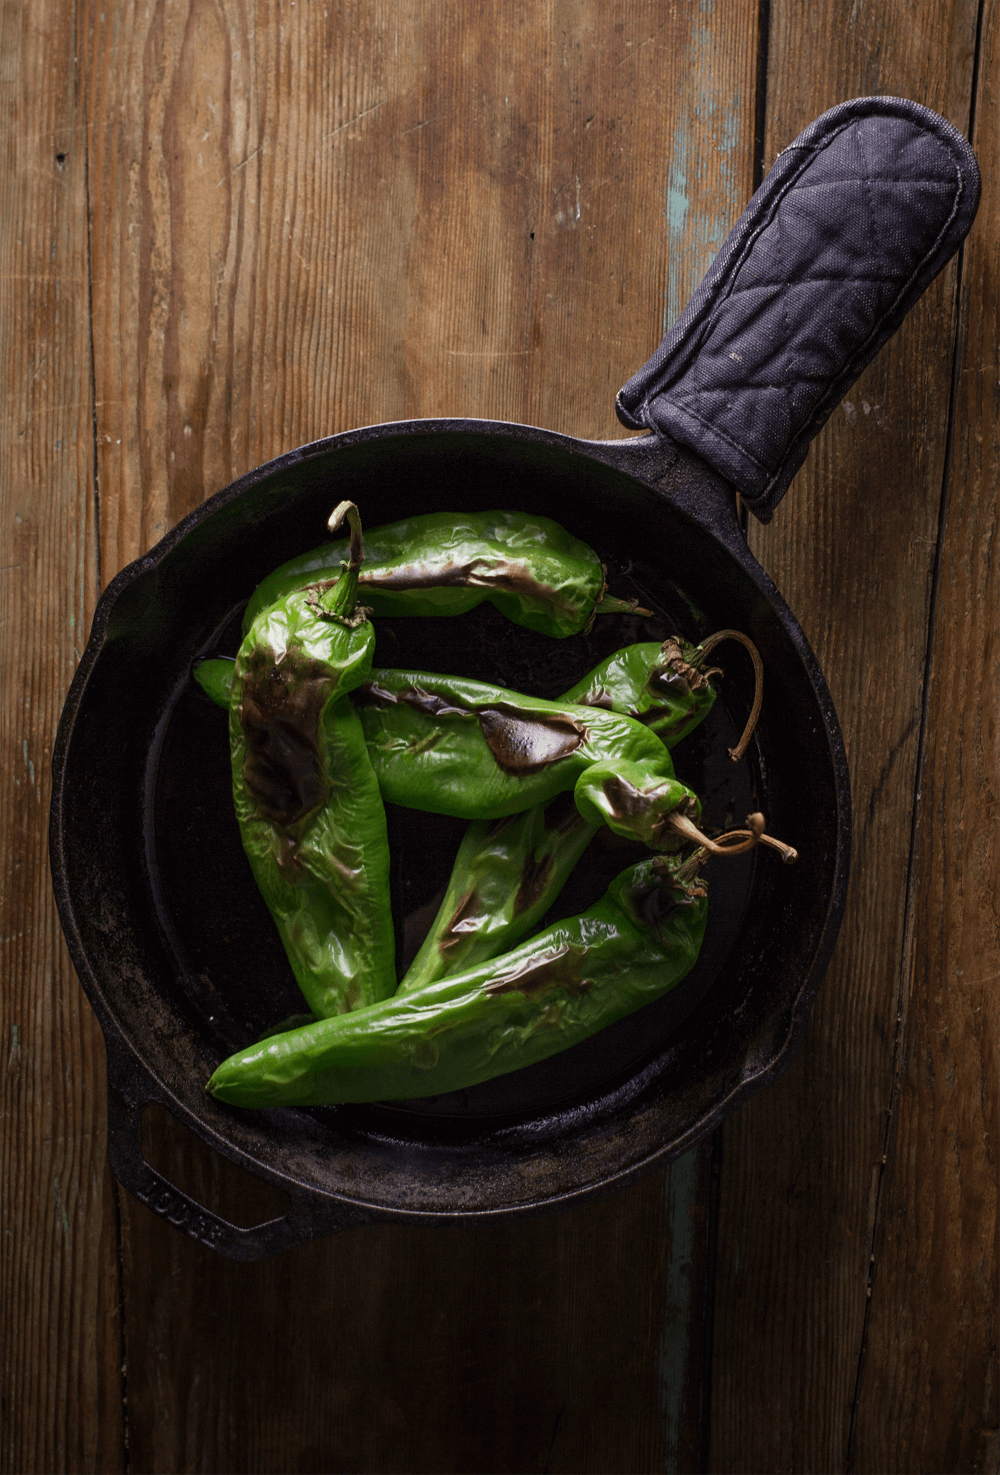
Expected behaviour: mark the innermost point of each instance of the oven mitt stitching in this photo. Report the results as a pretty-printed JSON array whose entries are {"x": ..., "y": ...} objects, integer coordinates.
[{"x": 843, "y": 236}]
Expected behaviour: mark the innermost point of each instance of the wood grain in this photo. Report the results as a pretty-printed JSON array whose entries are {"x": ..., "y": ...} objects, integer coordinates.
[
  {"x": 338, "y": 216},
  {"x": 58, "y": 1279},
  {"x": 531, "y": 1347},
  {"x": 232, "y": 227},
  {"x": 171, "y": 90},
  {"x": 853, "y": 550},
  {"x": 416, "y": 212},
  {"x": 934, "y": 1275}
]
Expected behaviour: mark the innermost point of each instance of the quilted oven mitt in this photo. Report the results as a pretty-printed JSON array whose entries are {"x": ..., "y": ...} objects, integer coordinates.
[{"x": 849, "y": 227}]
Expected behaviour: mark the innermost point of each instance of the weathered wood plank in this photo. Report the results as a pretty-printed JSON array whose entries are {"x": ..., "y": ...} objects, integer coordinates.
[
  {"x": 172, "y": 94},
  {"x": 305, "y": 218},
  {"x": 57, "y": 1269},
  {"x": 416, "y": 212},
  {"x": 853, "y": 550},
  {"x": 684, "y": 1354},
  {"x": 928, "y": 1394},
  {"x": 388, "y": 213},
  {"x": 533, "y": 1347}
]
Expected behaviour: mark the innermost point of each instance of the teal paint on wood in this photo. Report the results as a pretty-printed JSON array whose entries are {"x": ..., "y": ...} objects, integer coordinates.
[
  {"x": 677, "y": 206},
  {"x": 678, "y": 1363},
  {"x": 676, "y": 214},
  {"x": 708, "y": 184},
  {"x": 708, "y": 164}
]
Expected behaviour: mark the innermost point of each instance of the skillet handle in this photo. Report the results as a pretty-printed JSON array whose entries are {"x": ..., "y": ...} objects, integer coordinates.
[
  {"x": 849, "y": 227},
  {"x": 129, "y": 1093}
]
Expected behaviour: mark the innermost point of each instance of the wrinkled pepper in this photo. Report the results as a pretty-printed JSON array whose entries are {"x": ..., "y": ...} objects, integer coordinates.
[
  {"x": 445, "y": 563},
  {"x": 666, "y": 687},
  {"x": 506, "y": 875},
  {"x": 508, "y": 872},
  {"x": 448, "y": 745},
  {"x": 307, "y": 799},
  {"x": 573, "y": 979}
]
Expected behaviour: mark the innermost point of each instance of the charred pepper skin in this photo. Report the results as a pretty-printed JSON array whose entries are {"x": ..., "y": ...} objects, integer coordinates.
[
  {"x": 507, "y": 873},
  {"x": 445, "y": 563},
  {"x": 567, "y": 983},
  {"x": 658, "y": 685},
  {"x": 448, "y": 745},
  {"x": 307, "y": 800}
]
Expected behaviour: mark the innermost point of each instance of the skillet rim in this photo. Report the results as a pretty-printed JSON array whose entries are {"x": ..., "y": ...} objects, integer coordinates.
[{"x": 655, "y": 464}]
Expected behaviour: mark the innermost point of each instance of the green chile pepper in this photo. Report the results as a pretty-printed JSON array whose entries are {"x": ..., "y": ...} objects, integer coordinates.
[
  {"x": 667, "y": 687},
  {"x": 445, "y": 563},
  {"x": 567, "y": 983},
  {"x": 508, "y": 872},
  {"x": 448, "y": 745},
  {"x": 506, "y": 875},
  {"x": 307, "y": 800},
  {"x": 215, "y": 677}
]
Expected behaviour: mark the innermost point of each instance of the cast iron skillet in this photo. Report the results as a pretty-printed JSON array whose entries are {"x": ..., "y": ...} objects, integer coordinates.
[{"x": 165, "y": 927}]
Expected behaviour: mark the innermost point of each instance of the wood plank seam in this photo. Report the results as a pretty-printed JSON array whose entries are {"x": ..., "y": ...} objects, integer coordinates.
[
  {"x": 715, "y": 1168},
  {"x": 910, "y": 901},
  {"x": 115, "y": 1190},
  {"x": 90, "y": 319},
  {"x": 116, "y": 1206},
  {"x": 760, "y": 91},
  {"x": 711, "y": 1267}
]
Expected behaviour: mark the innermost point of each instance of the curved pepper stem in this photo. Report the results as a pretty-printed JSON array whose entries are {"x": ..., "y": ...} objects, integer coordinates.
[
  {"x": 787, "y": 852},
  {"x": 341, "y": 601},
  {"x": 350, "y": 511},
  {"x": 704, "y": 650},
  {"x": 609, "y": 605},
  {"x": 733, "y": 842}
]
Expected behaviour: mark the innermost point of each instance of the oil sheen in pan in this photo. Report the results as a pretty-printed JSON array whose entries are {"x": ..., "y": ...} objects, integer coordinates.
[{"x": 228, "y": 959}]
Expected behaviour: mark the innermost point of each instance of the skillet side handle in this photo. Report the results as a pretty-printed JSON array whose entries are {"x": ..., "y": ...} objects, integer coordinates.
[
  {"x": 849, "y": 227},
  {"x": 304, "y": 1220}
]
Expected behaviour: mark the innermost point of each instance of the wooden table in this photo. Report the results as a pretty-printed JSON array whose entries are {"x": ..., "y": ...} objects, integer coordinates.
[{"x": 232, "y": 226}]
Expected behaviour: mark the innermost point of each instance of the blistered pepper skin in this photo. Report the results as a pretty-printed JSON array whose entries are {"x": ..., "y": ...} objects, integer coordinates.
[
  {"x": 421, "y": 732},
  {"x": 307, "y": 801},
  {"x": 446, "y": 563},
  {"x": 448, "y": 745},
  {"x": 508, "y": 873},
  {"x": 567, "y": 983},
  {"x": 640, "y": 681},
  {"x": 659, "y": 685}
]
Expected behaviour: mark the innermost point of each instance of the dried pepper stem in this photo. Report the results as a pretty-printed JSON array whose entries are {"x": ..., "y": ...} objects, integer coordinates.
[
  {"x": 704, "y": 650},
  {"x": 743, "y": 840}
]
